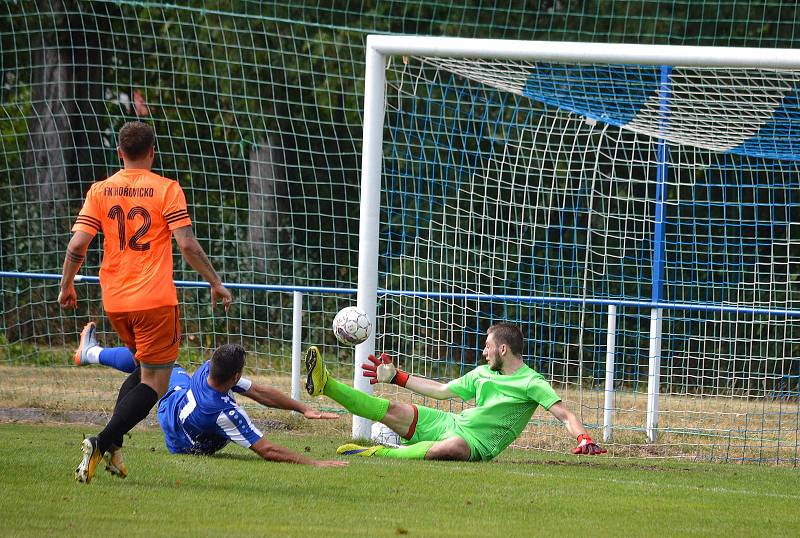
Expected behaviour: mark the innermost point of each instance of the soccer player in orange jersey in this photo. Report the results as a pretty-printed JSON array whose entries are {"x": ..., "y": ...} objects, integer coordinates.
[{"x": 138, "y": 212}]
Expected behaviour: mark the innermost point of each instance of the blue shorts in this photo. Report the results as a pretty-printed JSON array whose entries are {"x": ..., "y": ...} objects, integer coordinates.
[
  {"x": 178, "y": 378},
  {"x": 207, "y": 443}
]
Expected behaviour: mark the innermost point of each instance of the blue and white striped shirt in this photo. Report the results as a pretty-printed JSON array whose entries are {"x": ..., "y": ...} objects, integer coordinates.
[{"x": 197, "y": 419}]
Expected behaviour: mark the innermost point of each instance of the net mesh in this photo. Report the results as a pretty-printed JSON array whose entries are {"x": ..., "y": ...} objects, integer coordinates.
[
  {"x": 540, "y": 195},
  {"x": 257, "y": 108}
]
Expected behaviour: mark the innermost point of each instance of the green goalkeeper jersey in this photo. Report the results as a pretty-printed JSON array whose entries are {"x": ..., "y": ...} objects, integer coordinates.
[{"x": 504, "y": 405}]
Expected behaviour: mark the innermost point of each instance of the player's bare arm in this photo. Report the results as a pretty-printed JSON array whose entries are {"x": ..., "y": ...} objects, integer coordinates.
[
  {"x": 568, "y": 419},
  {"x": 576, "y": 429},
  {"x": 271, "y": 397},
  {"x": 429, "y": 387},
  {"x": 272, "y": 452},
  {"x": 196, "y": 257},
  {"x": 76, "y": 252}
]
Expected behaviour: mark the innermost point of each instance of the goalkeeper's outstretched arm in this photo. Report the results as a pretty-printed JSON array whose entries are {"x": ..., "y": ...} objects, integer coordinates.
[
  {"x": 383, "y": 370},
  {"x": 429, "y": 387},
  {"x": 576, "y": 429}
]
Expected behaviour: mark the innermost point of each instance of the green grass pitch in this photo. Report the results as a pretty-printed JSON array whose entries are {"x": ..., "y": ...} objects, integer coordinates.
[{"x": 522, "y": 493}]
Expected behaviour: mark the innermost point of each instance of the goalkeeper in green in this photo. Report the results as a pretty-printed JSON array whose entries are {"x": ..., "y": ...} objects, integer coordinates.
[{"x": 506, "y": 393}]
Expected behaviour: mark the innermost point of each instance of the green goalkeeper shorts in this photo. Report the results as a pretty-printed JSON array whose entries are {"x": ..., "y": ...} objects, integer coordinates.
[{"x": 436, "y": 425}]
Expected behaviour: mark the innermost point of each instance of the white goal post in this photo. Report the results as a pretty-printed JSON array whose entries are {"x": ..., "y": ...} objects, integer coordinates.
[{"x": 665, "y": 120}]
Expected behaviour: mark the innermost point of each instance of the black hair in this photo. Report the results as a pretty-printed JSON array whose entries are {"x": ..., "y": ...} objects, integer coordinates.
[
  {"x": 136, "y": 138},
  {"x": 226, "y": 362},
  {"x": 508, "y": 334}
]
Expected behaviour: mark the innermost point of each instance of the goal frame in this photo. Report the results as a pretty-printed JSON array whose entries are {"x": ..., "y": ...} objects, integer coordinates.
[{"x": 380, "y": 47}]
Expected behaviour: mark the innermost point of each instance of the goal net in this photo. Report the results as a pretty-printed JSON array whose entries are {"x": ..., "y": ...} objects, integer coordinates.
[
  {"x": 641, "y": 223},
  {"x": 546, "y": 193}
]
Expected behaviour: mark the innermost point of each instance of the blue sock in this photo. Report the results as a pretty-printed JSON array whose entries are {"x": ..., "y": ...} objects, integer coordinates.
[{"x": 119, "y": 358}]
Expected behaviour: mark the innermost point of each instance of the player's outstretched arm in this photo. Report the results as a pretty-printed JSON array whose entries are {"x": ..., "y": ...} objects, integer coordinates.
[
  {"x": 383, "y": 370},
  {"x": 576, "y": 429},
  {"x": 76, "y": 252},
  {"x": 272, "y": 452},
  {"x": 272, "y": 397},
  {"x": 195, "y": 256}
]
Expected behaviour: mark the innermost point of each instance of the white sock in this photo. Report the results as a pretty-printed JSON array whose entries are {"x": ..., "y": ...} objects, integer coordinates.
[{"x": 93, "y": 355}]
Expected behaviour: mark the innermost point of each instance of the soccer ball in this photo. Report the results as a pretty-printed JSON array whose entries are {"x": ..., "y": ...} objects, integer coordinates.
[
  {"x": 383, "y": 435},
  {"x": 351, "y": 326}
]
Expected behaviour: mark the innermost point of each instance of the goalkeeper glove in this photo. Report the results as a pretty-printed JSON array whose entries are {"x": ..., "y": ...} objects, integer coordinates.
[
  {"x": 383, "y": 370},
  {"x": 587, "y": 446}
]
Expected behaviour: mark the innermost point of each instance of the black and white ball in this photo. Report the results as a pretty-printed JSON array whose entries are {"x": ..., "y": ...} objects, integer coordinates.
[{"x": 351, "y": 326}]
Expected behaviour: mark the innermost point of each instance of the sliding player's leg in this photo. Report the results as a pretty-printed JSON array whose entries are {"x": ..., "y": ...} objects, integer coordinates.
[
  {"x": 399, "y": 417},
  {"x": 430, "y": 436},
  {"x": 319, "y": 381},
  {"x": 90, "y": 352},
  {"x": 428, "y": 431},
  {"x": 417, "y": 451},
  {"x": 454, "y": 448}
]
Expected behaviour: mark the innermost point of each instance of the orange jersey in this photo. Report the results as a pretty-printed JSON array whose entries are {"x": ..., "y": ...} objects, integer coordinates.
[{"x": 136, "y": 210}]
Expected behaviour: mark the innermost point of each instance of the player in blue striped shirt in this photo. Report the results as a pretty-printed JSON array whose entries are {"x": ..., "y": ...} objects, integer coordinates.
[{"x": 199, "y": 413}]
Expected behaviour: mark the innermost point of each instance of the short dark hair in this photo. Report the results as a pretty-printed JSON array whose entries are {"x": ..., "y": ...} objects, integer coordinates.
[
  {"x": 136, "y": 138},
  {"x": 508, "y": 334},
  {"x": 226, "y": 362}
]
